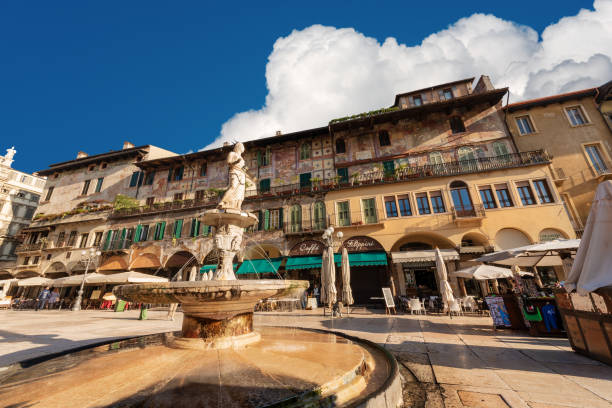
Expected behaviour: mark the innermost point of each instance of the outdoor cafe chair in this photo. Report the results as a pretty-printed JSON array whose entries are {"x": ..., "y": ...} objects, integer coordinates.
[
  {"x": 416, "y": 306},
  {"x": 455, "y": 307}
]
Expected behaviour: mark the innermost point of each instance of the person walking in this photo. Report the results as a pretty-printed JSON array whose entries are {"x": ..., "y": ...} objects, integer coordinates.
[
  {"x": 53, "y": 298},
  {"x": 43, "y": 298}
]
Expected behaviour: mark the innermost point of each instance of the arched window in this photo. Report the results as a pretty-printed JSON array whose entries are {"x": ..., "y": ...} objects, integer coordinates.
[
  {"x": 461, "y": 199},
  {"x": 456, "y": 124},
  {"x": 295, "y": 218},
  {"x": 383, "y": 138},
  {"x": 318, "y": 216},
  {"x": 305, "y": 151},
  {"x": 500, "y": 149},
  {"x": 436, "y": 158},
  {"x": 340, "y": 146}
]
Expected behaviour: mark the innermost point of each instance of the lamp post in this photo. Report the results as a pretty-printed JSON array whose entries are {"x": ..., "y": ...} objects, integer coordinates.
[{"x": 87, "y": 257}]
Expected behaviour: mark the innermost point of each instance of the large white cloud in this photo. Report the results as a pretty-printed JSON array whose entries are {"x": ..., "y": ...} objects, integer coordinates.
[{"x": 320, "y": 73}]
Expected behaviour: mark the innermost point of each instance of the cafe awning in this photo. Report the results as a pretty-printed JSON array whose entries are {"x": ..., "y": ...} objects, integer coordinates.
[
  {"x": 259, "y": 266},
  {"x": 304, "y": 262},
  {"x": 426, "y": 255},
  {"x": 364, "y": 258},
  {"x": 472, "y": 250}
]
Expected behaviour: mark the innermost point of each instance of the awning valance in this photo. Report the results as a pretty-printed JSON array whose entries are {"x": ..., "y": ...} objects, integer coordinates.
[
  {"x": 364, "y": 258},
  {"x": 426, "y": 255},
  {"x": 259, "y": 266},
  {"x": 304, "y": 262},
  {"x": 472, "y": 250}
]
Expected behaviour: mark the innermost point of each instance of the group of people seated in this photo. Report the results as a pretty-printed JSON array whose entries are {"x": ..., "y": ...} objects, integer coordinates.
[{"x": 435, "y": 304}]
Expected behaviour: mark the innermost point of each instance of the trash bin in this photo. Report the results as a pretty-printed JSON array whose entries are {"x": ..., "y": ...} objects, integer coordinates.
[
  {"x": 120, "y": 305},
  {"x": 143, "y": 313}
]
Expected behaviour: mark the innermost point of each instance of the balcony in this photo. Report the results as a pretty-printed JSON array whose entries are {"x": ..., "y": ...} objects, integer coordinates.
[
  {"x": 603, "y": 173},
  {"x": 30, "y": 247},
  {"x": 468, "y": 216},
  {"x": 407, "y": 173},
  {"x": 116, "y": 245},
  {"x": 168, "y": 206},
  {"x": 559, "y": 176}
]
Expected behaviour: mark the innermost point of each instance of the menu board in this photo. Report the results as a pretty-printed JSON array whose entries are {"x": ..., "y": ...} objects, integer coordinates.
[
  {"x": 388, "y": 297},
  {"x": 498, "y": 310}
]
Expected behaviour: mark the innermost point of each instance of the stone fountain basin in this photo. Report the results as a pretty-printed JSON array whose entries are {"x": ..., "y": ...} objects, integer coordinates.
[
  {"x": 218, "y": 217},
  {"x": 216, "y": 300}
]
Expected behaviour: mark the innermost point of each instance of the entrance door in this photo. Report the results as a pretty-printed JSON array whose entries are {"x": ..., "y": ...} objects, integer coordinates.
[
  {"x": 305, "y": 180},
  {"x": 425, "y": 280},
  {"x": 366, "y": 282}
]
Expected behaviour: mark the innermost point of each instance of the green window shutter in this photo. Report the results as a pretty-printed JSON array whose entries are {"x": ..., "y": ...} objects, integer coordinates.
[
  {"x": 206, "y": 230},
  {"x": 266, "y": 220},
  {"x": 178, "y": 227},
  {"x": 260, "y": 223},
  {"x": 162, "y": 229},
  {"x": 109, "y": 237},
  {"x": 280, "y": 218},
  {"x": 389, "y": 167},
  {"x": 122, "y": 242},
  {"x": 192, "y": 228},
  {"x": 343, "y": 174},
  {"x": 137, "y": 233},
  {"x": 197, "y": 228},
  {"x": 369, "y": 209},
  {"x": 134, "y": 179},
  {"x": 170, "y": 174},
  {"x": 259, "y": 158}
]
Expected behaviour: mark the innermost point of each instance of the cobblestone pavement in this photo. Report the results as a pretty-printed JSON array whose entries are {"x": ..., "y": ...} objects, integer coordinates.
[{"x": 445, "y": 362}]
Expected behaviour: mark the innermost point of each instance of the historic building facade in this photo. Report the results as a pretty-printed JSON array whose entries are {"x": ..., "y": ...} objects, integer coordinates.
[
  {"x": 19, "y": 195},
  {"x": 439, "y": 168},
  {"x": 576, "y": 129}
]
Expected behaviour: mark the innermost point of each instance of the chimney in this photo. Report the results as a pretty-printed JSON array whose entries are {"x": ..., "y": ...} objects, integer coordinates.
[
  {"x": 225, "y": 144},
  {"x": 80, "y": 155},
  {"x": 127, "y": 145},
  {"x": 278, "y": 133}
]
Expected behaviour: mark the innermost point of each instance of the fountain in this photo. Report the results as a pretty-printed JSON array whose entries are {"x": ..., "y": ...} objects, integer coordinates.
[{"x": 217, "y": 359}]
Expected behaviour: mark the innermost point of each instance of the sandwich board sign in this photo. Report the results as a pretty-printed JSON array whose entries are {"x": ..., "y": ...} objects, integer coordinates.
[{"x": 389, "y": 302}]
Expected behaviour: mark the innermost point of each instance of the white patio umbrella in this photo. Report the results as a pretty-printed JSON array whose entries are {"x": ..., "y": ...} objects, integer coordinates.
[
  {"x": 347, "y": 293},
  {"x": 592, "y": 268},
  {"x": 483, "y": 272},
  {"x": 73, "y": 280},
  {"x": 125, "y": 277},
  {"x": 445, "y": 290},
  {"x": 542, "y": 254},
  {"x": 35, "y": 281},
  {"x": 328, "y": 278}
]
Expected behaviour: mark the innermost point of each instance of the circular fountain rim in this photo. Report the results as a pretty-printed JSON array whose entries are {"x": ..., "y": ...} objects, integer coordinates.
[{"x": 219, "y": 285}]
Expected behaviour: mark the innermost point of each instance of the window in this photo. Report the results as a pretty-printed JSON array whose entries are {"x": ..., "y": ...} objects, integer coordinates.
[
  {"x": 389, "y": 168},
  {"x": 97, "y": 239},
  {"x": 436, "y": 158},
  {"x": 160, "y": 228},
  {"x": 437, "y": 204},
  {"x": 390, "y": 206},
  {"x": 503, "y": 196},
  {"x": 26, "y": 260},
  {"x": 49, "y": 193},
  {"x": 466, "y": 153},
  {"x": 264, "y": 185},
  {"x": 417, "y": 101},
  {"x": 103, "y": 166},
  {"x": 72, "y": 238},
  {"x": 423, "y": 203},
  {"x": 344, "y": 218},
  {"x": 85, "y": 187},
  {"x": 83, "y": 243},
  {"x": 456, "y": 124},
  {"x": 305, "y": 151},
  {"x": 295, "y": 223},
  {"x": 170, "y": 174},
  {"x": 203, "y": 169},
  {"x": 383, "y": 138},
  {"x": 200, "y": 195},
  {"x": 178, "y": 197},
  {"x": 500, "y": 149},
  {"x": 305, "y": 180},
  {"x": 544, "y": 194},
  {"x": 525, "y": 193},
  {"x": 48, "y": 257},
  {"x": 343, "y": 174},
  {"x": 448, "y": 93},
  {"x": 318, "y": 216},
  {"x": 576, "y": 115},
  {"x": 177, "y": 229},
  {"x": 150, "y": 201},
  {"x": 144, "y": 233},
  {"x": 99, "y": 185},
  {"x": 149, "y": 177},
  {"x": 263, "y": 158},
  {"x": 340, "y": 146},
  {"x": 178, "y": 173},
  {"x": 194, "y": 230},
  {"x": 596, "y": 158},
  {"x": 92, "y": 167},
  {"x": 524, "y": 124},
  {"x": 60, "y": 239},
  {"x": 461, "y": 197},
  {"x": 36, "y": 260},
  {"x": 276, "y": 218},
  {"x": 404, "y": 205},
  {"x": 486, "y": 195},
  {"x": 369, "y": 210},
  {"x": 134, "y": 179}
]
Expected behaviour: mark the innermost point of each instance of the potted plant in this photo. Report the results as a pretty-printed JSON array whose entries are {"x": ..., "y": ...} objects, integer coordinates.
[
  {"x": 315, "y": 182},
  {"x": 354, "y": 178}
]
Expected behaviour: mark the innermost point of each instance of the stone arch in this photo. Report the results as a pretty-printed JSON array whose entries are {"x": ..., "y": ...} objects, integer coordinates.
[
  {"x": 179, "y": 258},
  {"x": 430, "y": 239},
  {"x": 262, "y": 251},
  {"x": 476, "y": 239},
  {"x": 114, "y": 263},
  {"x": 549, "y": 234},
  {"x": 145, "y": 261},
  {"x": 56, "y": 269},
  {"x": 5, "y": 274},
  {"x": 26, "y": 274},
  {"x": 507, "y": 238}
]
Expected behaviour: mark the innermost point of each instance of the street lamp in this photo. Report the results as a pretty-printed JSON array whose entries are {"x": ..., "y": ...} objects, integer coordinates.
[{"x": 87, "y": 257}]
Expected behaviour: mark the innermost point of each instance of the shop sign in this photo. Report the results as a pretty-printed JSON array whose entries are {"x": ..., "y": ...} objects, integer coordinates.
[
  {"x": 310, "y": 247},
  {"x": 362, "y": 244}
]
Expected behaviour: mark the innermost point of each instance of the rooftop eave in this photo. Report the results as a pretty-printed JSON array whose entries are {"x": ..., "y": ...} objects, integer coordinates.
[{"x": 86, "y": 161}]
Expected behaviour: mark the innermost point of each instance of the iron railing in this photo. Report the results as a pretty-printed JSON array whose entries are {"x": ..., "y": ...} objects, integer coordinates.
[{"x": 477, "y": 211}]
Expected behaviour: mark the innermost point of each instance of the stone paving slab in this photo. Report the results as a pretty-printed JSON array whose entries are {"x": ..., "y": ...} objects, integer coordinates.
[{"x": 455, "y": 363}]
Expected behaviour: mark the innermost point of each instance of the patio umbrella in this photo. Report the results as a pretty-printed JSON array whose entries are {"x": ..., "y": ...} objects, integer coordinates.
[
  {"x": 35, "y": 281},
  {"x": 347, "y": 293},
  {"x": 125, "y": 277},
  {"x": 74, "y": 280},
  {"x": 593, "y": 262},
  {"x": 328, "y": 278},
  {"x": 542, "y": 254},
  {"x": 445, "y": 290},
  {"x": 483, "y": 272}
]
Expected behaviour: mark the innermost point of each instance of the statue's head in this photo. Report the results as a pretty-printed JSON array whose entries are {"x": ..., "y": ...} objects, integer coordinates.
[{"x": 239, "y": 148}]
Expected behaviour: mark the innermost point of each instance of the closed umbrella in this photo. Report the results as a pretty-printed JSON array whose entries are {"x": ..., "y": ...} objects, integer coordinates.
[
  {"x": 445, "y": 289},
  {"x": 347, "y": 293},
  {"x": 593, "y": 261},
  {"x": 328, "y": 278}
]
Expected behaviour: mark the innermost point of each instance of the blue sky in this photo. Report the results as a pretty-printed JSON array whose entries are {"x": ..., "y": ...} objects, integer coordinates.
[{"x": 87, "y": 75}]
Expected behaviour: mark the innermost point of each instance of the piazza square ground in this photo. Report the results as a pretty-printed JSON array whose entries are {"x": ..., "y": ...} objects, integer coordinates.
[{"x": 458, "y": 362}]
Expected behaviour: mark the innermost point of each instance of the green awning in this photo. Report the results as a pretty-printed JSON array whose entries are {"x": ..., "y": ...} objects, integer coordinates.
[
  {"x": 304, "y": 262},
  {"x": 364, "y": 258},
  {"x": 259, "y": 266}
]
